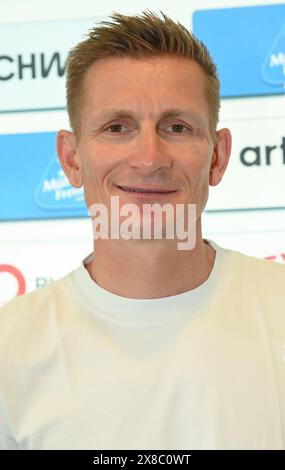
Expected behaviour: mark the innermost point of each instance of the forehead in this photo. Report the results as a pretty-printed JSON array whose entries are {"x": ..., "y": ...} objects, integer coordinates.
[{"x": 145, "y": 83}]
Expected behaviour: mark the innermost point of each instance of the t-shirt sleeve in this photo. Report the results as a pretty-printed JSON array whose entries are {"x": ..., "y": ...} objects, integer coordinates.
[{"x": 7, "y": 441}]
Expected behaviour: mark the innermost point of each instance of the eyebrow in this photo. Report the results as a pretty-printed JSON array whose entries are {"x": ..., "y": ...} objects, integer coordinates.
[{"x": 169, "y": 113}]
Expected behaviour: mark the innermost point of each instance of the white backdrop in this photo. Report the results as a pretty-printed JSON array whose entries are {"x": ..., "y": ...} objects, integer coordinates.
[{"x": 47, "y": 249}]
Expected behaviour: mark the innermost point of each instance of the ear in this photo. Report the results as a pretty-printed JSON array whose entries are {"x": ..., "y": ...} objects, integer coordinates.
[
  {"x": 69, "y": 157},
  {"x": 221, "y": 155}
]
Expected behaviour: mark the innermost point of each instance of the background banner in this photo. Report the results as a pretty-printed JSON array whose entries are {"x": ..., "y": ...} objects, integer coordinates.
[{"x": 248, "y": 46}]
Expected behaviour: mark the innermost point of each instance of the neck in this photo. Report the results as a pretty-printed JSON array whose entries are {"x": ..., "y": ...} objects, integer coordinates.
[{"x": 150, "y": 268}]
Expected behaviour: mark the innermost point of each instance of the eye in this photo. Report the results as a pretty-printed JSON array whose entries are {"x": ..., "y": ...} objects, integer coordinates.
[
  {"x": 177, "y": 128},
  {"x": 116, "y": 128}
]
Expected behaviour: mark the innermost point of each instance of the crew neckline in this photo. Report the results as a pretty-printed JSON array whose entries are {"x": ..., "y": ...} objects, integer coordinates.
[{"x": 155, "y": 310}]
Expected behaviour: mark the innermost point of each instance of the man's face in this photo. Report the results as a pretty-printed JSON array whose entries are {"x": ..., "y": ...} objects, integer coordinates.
[{"x": 145, "y": 124}]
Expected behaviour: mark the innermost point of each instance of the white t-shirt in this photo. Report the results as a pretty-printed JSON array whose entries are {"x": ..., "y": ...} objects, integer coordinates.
[{"x": 83, "y": 368}]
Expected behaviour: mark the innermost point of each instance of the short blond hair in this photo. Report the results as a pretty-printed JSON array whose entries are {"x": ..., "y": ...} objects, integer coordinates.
[{"x": 141, "y": 36}]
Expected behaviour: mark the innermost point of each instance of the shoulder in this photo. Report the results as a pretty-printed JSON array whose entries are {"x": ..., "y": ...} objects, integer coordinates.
[
  {"x": 27, "y": 315},
  {"x": 260, "y": 283},
  {"x": 258, "y": 271},
  {"x": 39, "y": 297}
]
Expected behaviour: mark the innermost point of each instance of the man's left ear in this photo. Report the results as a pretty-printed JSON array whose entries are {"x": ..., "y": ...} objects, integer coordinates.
[{"x": 221, "y": 155}]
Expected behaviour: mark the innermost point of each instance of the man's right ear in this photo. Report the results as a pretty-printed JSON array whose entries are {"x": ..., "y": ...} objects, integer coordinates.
[{"x": 69, "y": 157}]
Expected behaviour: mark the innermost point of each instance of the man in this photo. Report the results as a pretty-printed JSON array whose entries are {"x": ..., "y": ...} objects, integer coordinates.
[{"x": 146, "y": 346}]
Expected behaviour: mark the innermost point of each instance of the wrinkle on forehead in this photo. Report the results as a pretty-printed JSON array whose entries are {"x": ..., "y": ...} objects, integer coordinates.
[{"x": 141, "y": 88}]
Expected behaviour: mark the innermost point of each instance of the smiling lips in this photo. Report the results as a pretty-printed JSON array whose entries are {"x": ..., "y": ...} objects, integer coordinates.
[{"x": 146, "y": 190}]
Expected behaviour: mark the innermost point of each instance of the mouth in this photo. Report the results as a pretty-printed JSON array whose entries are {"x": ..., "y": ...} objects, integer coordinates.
[{"x": 131, "y": 189}]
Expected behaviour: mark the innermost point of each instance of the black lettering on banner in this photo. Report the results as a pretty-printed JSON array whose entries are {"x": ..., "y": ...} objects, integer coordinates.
[
  {"x": 41, "y": 281},
  {"x": 282, "y": 146},
  {"x": 268, "y": 150},
  {"x": 31, "y": 65},
  {"x": 6, "y": 77},
  {"x": 246, "y": 154},
  {"x": 245, "y": 151},
  {"x": 55, "y": 59}
]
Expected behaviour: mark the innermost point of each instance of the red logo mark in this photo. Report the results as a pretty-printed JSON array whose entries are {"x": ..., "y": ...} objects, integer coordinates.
[{"x": 7, "y": 268}]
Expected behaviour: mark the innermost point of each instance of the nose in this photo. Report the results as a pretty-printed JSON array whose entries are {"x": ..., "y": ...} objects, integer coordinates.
[{"x": 149, "y": 153}]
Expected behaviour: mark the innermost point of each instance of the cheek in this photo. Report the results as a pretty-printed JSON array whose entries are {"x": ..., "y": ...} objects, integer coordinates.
[
  {"x": 93, "y": 164},
  {"x": 97, "y": 166},
  {"x": 197, "y": 164},
  {"x": 203, "y": 179}
]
